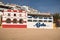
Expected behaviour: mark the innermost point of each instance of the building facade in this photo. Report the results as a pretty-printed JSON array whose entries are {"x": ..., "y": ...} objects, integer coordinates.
[
  {"x": 16, "y": 16},
  {"x": 14, "y": 19},
  {"x": 40, "y": 21}
]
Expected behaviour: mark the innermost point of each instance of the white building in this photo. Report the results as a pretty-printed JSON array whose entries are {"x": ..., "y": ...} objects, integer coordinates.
[
  {"x": 16, "y": 16},
  {"x": 14, "y": 19},
  {"x": 43, "y": 20}
]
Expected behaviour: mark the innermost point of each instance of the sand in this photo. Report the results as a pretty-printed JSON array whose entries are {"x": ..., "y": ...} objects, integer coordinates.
[{"x": 29, "y": 34}]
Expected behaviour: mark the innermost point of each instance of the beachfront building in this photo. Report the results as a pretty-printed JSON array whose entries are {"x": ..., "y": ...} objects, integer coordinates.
[
  {"x": 16, "y": 16},
  {"x": 14, "y": 19},
  {"x": 23, "y": 19},
  {"x": 42, "y": 20}
]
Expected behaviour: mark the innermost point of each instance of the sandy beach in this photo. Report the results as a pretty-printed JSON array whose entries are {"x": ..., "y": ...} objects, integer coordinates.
[{"x": 29, "y": 34}]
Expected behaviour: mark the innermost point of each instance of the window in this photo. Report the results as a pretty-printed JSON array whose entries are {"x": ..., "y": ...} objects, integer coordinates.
[
  {"x": 50, "y": 21},
  {"x": 29, "y": 16},
  {"x": 14, "y": 14},
  {"x": 34, "y": 20},
  {"x": 40, "y": 17},
  {"x": 21, "y": 21},
  {"x": 35, "y": 17},
  {"x": 29, "y": 20},
  {"x": 50, "y": 18},
  {"x": 45, "y": 20},
  {"x": 14, "y": 20},
  {"x": 45, "y": 17},
  {"x": 8, "y": 20},
  {"x": 40, "y": 21},
  {"x": 8, "y": 14}
]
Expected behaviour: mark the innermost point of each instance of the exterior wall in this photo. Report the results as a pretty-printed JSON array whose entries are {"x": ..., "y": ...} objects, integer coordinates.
[
  {"x": 19, "y": 15},
  {"x": 1, "y": 13},
  {"x": 33, "y": 25},
  {"x": 23, "y": 15},
  {"x": 0, "y": 18},
  {"x": 40, "y": 23},
  {"x": 37, "y": 24}
]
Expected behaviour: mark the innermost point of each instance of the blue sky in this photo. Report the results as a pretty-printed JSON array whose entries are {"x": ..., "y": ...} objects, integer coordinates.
[{"x": 52, "y": 6}]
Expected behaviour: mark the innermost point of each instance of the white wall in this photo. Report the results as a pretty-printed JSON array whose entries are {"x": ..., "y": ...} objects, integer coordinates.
[
  {"x": 49, "y": 25},
  {"x": 5, "y": 16}
]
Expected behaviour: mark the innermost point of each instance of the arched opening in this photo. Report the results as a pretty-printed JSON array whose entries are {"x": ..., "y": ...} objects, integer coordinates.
[
  {"x": 14, "y": 20},
  {"x": 21, "y": 21},
  {"x": 8, "y": 20}
]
